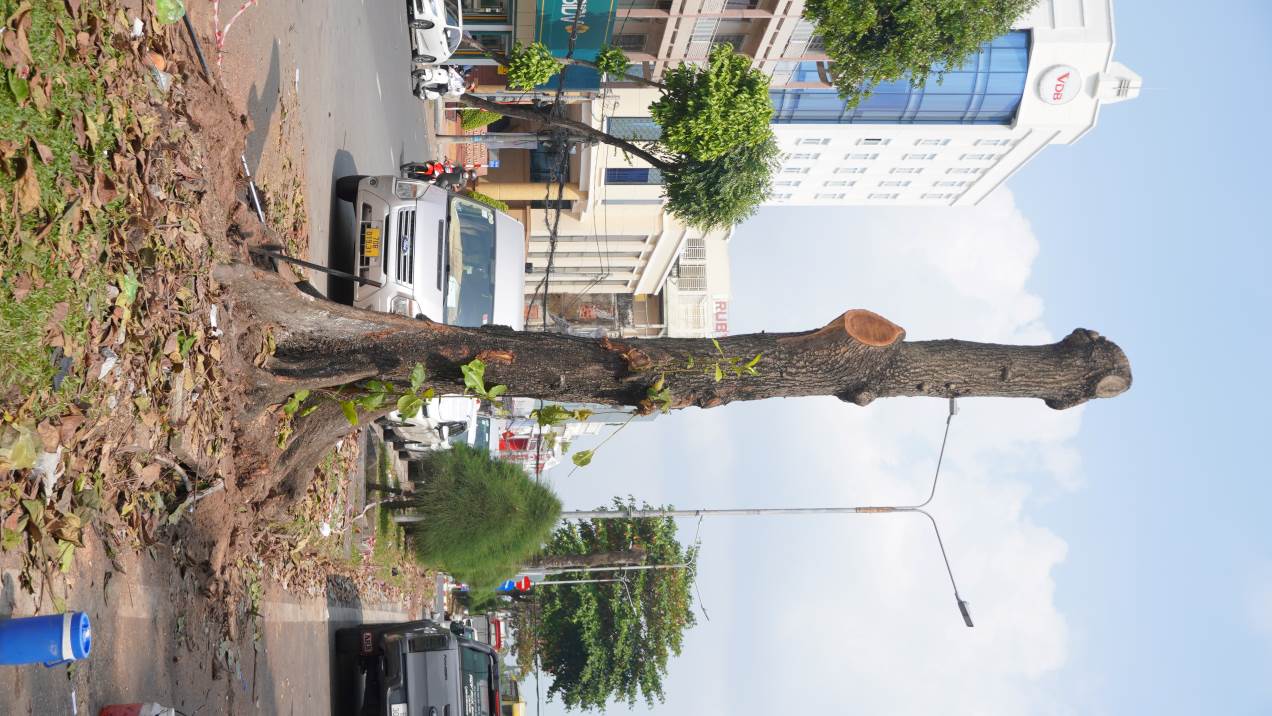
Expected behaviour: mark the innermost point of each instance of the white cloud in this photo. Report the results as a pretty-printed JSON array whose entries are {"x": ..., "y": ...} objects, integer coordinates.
[{"x": 856, "y": 614}]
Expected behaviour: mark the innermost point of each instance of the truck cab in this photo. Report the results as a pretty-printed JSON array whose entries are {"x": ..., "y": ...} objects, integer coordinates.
[
  {"x": 438, "y": 255},
  {"x": 417, "y": 669}
]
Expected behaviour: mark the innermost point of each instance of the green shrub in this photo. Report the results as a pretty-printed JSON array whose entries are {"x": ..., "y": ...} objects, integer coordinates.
[
  {"x": 490, "y": 201},
  {"x": 471, "y": 118},
  {"x": 482, "y": 518}
]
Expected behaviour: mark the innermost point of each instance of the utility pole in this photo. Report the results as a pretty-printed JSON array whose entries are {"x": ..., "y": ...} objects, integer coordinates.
[
  {"x": 623, "y": 514},
  {"x": 627, "y": 568}
]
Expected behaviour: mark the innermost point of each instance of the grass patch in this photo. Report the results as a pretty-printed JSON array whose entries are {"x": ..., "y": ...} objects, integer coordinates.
[
  {"x": 482, "y": 518},
  {"x": 56, "y": 120}
]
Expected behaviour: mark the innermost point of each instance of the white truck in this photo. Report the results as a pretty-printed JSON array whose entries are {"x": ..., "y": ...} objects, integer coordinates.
[{"x": 438, "y": 255}]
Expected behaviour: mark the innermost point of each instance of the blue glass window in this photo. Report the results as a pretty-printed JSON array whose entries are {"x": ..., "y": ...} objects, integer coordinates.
[
  {"x": 984, "y": 90},
  {"x": 807, "y": 71},
  {"x": 634, "y": 128},
  {"x": 633, "y": 175}
]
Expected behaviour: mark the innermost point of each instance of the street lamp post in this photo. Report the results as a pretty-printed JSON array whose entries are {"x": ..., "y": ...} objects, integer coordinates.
[{"x": 859, "y": 510}]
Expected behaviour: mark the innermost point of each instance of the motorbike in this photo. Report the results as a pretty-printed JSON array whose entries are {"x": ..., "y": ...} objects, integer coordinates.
[{"x": 437, "y": 82}]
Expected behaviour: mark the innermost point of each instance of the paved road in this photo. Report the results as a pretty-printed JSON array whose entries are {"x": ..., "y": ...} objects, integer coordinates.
[{"x": 349, "y": 63}]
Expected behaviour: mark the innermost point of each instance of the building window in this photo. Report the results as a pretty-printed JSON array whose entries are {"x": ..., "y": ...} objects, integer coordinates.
[
  {"x": 694, "y": 316},
  {"x": 964, "y": 170},
  {"x": 838, "y": 183},
  {"x": 820, "y": 141},
  {"x": 788, "y": 182},
  {"x": 938, "y": 196},
  {"x": 986, "y": 89},
  {"x": 993, "y": 142},
  {"x": 691, "y": 277},
  {"x": 736, "y": 40},
  {"x": 630, "y": 202},
  {"x": 906, "y": 170},
  {"x": 696, "y": 249},
  {"x": 979, "y": 157},
  {"x": 802, "y": 156},
  {"x": 919, "y": 157},
  {"x": 895, "y": 183},
  {"x": 630, "y": 42},
  {"x": 931, "y": 142},
  {"x": 873, "y": 142},
  {"x": 850, "y": 170},
  {"x": 639, "y": 128},
  {"x": 950, "y": 183},
  {"x": 782, "y": 197},
  {"x": 633, "y": 175},
  {"x": 829, "y": 196},
  {"x": 883, "y": 196},
  {"x": 860, "y": 157},
  {"x": 795, "y": 170}
]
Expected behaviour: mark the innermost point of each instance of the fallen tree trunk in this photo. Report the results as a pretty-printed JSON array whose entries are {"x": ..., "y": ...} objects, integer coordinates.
[{"x": 857, "y": 357}]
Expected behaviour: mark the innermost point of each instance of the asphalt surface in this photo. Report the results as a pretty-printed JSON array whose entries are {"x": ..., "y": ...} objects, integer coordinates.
[{"x": 349, "y": 63}]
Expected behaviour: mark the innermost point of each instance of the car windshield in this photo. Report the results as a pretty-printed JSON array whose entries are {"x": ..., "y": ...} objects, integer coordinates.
[
  {"x": 477, "y": 683},
  {"x": 452, "y": 13},
  {"x": 453, "y": 36},
  {"x": 470, "y": 268}
]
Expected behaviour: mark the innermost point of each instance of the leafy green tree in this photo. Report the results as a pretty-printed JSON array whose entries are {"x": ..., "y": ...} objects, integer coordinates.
[
  {"x": 480, "y": 518},
  {"x": 724, "y": 191},
  {"x": 609, "y": 641},
  {"x": 529, "y": 65},
  {"x": 612, "y": 61},
  {"x": 706, "y": 111},
  {"x": 716, "y": 150},
  {"x": 872, "y": 41}
]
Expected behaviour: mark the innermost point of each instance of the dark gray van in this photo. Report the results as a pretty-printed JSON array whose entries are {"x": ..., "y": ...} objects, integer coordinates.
[{"x": 417, "y": 669}]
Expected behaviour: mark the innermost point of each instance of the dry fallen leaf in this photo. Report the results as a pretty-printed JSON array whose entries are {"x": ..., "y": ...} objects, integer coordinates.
[
  {"x": 49, "y": 435},
  {"x": 46, "y": 154},
  {"x": 70, "y": 424},
  {"x": 27, "y": 190},
  {"x": 149, "y": 474}
]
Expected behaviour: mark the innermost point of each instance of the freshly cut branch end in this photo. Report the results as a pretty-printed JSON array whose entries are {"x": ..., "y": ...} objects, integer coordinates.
[{"x": 870, "y": 328}]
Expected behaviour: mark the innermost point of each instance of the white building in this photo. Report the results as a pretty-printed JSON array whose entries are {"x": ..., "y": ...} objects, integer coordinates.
[{"x": 952, "y": 143}]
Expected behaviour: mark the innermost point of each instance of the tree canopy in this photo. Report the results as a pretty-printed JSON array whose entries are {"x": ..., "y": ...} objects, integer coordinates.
[
  {"x": 610, "y": 641},
  {"x": 724, "y": 191},
  {"x": 872, "y": 41},
  {"x": 706, "y": 111},
  {"x": 482, "y": 517}
]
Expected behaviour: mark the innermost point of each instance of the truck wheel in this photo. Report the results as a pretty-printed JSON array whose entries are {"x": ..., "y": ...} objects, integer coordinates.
[
  {"x": 421, "y": 24},
  {"x": 347, "y": 187},
  {"x": 425, "y": 59}
]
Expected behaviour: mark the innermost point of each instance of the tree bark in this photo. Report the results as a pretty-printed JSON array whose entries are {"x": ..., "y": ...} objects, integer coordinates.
[
  {"x": 623, "y": 558},
  {"x": 857, "y": 357},
  {"x": 569, "y": 125}
]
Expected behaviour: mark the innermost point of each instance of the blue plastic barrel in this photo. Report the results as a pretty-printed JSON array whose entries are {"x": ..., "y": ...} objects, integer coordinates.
[{"x": 45, "y": 640}]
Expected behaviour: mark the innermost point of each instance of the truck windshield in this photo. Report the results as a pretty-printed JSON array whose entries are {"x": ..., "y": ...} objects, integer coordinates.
[
  {"x": 478, "y": 686},
  {"x": 470, "y": 282}
]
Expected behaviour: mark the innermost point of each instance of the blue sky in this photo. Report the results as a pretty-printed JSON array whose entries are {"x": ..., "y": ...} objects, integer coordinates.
[{"x": 1117, "y": 557}]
